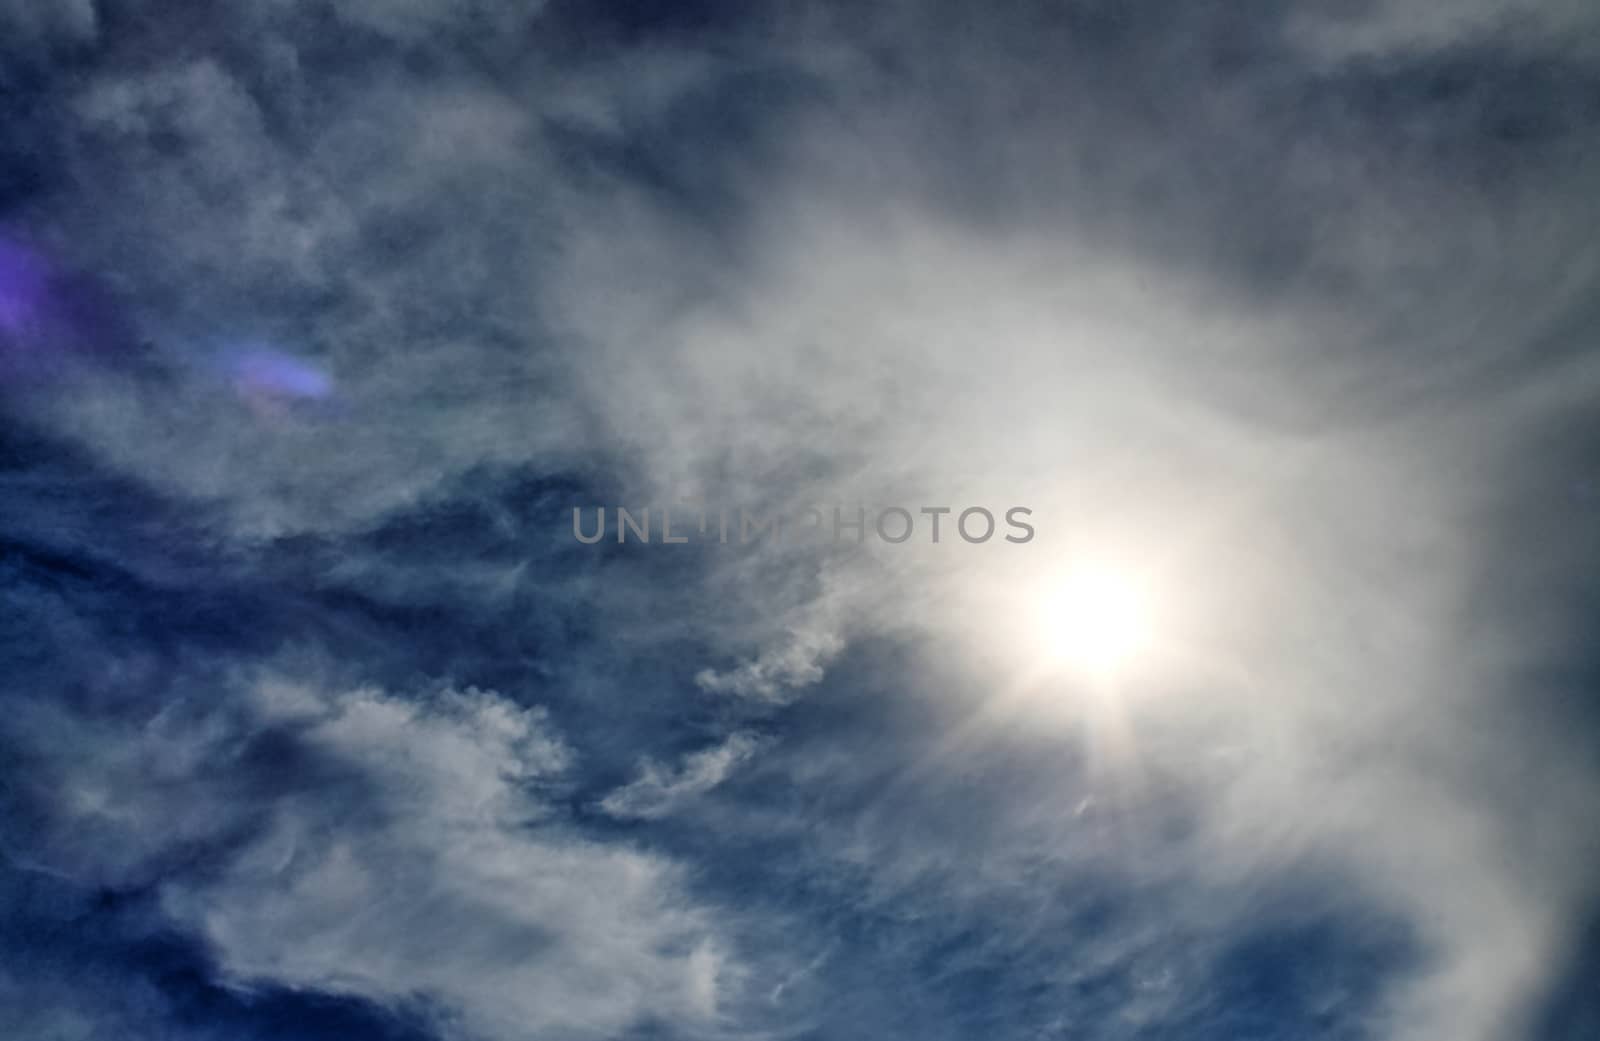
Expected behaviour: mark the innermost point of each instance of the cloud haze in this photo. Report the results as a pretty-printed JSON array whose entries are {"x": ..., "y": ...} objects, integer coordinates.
[{"x": 317, "y": 321}]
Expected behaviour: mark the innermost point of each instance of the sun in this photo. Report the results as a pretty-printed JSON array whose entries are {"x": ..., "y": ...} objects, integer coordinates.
[{"x": 1093, "y": 620}]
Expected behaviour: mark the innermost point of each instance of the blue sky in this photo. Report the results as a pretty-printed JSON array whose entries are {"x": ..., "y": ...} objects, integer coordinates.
[{"x": 318, "y": 320}]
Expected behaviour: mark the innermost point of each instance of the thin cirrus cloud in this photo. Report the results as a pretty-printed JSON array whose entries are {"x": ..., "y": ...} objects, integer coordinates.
[{"x": 657, "y": 791}]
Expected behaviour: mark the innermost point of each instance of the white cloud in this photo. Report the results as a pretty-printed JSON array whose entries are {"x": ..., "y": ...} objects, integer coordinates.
[
  {"x": 1314, "y": 468},
  {"x": 454, "y": 887},
  {"x": 1319, "y": 522},
  {"x": 407, "y": 852},
  {"x": 658, "y": 790}
]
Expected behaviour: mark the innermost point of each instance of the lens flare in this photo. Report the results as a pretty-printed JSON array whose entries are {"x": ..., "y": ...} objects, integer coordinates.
[
  {"x": 24, "y": 279},
  {"x": 271, "y": 381}
]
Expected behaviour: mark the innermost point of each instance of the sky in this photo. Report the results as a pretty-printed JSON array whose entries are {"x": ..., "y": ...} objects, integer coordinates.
[{"x": 322, "y": 323}]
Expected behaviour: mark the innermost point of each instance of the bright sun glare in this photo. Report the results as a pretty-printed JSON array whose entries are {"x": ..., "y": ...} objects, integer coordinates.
[{"x": 1093, "y": 621}]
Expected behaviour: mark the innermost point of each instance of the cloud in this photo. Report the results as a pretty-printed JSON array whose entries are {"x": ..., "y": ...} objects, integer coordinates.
[
  {"x": 455, "y": 889},
  {"x": 658, "y": 791},
  {"x": 778, "y": 672},
  {"x": 1291, "y": 333},
  {"x": 408, "y": 853},
  {"x": 415, "y": 22},
  {"x": 29, "y": 26},
  {"x": 298, "y": 222},
  {"x": 1303, "y": 468},
  {"x": 1390, "y": 26}
]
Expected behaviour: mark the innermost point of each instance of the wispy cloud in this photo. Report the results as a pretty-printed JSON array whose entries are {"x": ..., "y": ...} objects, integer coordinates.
[
  {"x": 1284, "y": 311},
  {"x": 659, "y": 790}
]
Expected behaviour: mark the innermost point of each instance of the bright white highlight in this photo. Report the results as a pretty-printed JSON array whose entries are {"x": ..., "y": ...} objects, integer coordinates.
[{"x": 1094, "y": 620}]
